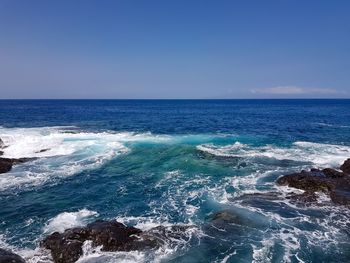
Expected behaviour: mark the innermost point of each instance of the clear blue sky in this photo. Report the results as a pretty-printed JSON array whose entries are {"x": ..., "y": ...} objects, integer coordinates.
[{"x": 175, "y": 49}]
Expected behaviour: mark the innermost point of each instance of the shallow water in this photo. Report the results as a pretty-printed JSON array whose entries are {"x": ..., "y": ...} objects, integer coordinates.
[{"x": 148, "y": 163}]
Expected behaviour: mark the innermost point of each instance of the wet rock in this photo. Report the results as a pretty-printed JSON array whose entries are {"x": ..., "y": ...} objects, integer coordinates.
[
  {"x": 306, "y": 197},
  {"x": 9, "y": 257},
  {"x": 311, "y": 181},
  {"x": 340, "y": 197},
  {"x": 269, "y": 200},
  {"x": 334, "y": 183},
  {"x": 7, "y": 163},
  {"x": 331, "y": 173},
  {"x": 268, "y": 196},
  {"x": 227, "y": 160},
  {"x": 226, "y": 216},
  {"x": 42, "y": 150},
  {"x": 2, "y": 144},
  {"x": 345, "y": 167},
  {"x": 111, "y": 235}
]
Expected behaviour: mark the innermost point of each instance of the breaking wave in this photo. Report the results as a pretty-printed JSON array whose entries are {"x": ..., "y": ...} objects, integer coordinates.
[{"x": 315, "y": 153}]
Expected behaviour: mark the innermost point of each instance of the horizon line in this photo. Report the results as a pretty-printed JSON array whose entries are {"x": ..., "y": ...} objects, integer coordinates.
[{"x": 174, "y": 99}]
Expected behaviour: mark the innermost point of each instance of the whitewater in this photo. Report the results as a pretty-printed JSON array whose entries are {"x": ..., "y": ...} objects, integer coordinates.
[{"x": 150, "y": 173}]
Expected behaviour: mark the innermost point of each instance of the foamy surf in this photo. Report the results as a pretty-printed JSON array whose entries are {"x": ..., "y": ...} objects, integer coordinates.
[
  {"x": 166, "y": 181},
  {"x": 67, "y": 220},
  {"x": 319, "y": 154},
  {"x": 63, "y": 151}
]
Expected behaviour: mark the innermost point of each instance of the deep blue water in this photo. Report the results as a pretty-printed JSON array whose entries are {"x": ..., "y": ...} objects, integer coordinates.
[{"x": 152, "y": 162}]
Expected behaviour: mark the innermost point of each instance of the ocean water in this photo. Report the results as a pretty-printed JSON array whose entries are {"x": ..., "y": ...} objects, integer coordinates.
[{"x": 168, "y": 162}]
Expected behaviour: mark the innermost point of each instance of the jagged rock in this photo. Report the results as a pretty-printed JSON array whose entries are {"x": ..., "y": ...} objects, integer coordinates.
[
  {"x": 111, "y": 235},
  {"x": 331, "y": 173},
  {"x": 311, "y": 181},
  {"x": 332, "y": 182},
  {"x": 345, "y": 167},
  {"x": 7, "y": 163},
  {"x": 9, "y": 257},
  {"x": 306, "y": 197}
]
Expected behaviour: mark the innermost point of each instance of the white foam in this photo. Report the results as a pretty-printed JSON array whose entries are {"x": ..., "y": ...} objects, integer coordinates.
[
  {"x": 142, "y": 222},
  {"x": 263, "y": 254},
  {"x": 320, "y": 154},
  {"x": 67, "y": 220},
  {"x": 63, "y": 153},
  {"x": 54, "y": 141}
]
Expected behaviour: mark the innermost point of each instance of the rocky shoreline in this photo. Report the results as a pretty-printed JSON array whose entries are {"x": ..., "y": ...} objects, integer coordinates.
[
  {"x": 67, "y": 247},
  {"x": 333, "y": 183}
]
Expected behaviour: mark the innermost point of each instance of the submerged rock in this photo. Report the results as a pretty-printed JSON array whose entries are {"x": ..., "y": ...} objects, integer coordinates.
[
  {"x": 9, "y": 257},
  {"x": 111, "y": 235},
  {"x": 334, "y": 183},
  {"x": 7, "y": 163},
  {"x": 227, "y": 217}
]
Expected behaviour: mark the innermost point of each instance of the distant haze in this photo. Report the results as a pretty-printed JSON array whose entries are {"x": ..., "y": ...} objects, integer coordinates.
[{"x": 174, "y": 49}]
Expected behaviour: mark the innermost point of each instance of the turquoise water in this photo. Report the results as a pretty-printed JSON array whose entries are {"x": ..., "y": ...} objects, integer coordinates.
[{"x": 149, "y": 163}]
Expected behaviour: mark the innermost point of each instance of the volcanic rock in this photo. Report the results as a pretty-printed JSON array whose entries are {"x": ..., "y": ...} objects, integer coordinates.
[
  {"x": 7, "y": 163},
  {"x": 9, "y": 257},
  {"x": 345, "y": 167},
  {"x": 111, "y": 235},
  {"x": 334, "y": 183}
]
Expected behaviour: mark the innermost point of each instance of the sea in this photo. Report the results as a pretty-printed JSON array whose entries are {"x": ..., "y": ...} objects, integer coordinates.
[{"x": 147, "y": 163}]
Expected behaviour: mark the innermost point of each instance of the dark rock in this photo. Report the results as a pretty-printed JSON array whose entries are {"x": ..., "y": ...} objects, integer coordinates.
[
  {"x": 235, "y": 220},
  {"x": 7, "y": 163},
  {"x": 269, "y": 200},
  {"x": 226, "y": 216},
  {"x": 328, "y": 172},
  {"x": 332, "y": 182},
  {"x": 111, "y": 235},
  {"x": 222, "y": 218},
  {"x": 306, "y": 197},
  {"x": 9, "y": 257},
  {"x": 340, "y": 197},
  {"x": 268, "y": 196},
  {"x": 308, "y": 181},
  {"x": 2, "y": 144},
  {"x": 42, "y": 150},
  {"x": 1, "y": 153},
  {"x": 345, "y": 167}
]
